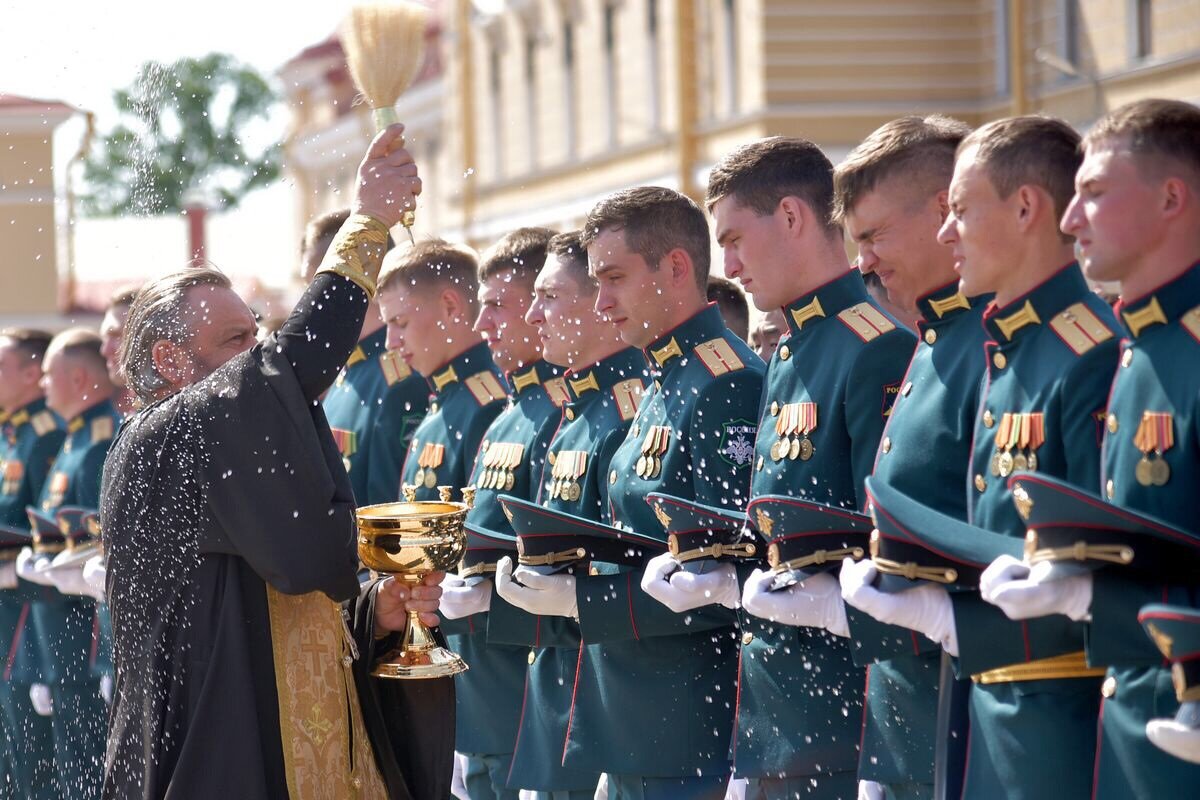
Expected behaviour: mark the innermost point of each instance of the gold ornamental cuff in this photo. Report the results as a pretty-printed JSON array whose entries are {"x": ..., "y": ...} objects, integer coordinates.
[
  {"x": 1068, "y": 665},
  {"x": 357, "y": 252}
]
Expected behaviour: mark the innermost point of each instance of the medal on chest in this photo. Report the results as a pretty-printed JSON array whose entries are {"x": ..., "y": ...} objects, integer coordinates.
[
  {"x": 1018, "y": 437},
  {"x": 1155, "y": 436},
  {"x": 566, "y": 470},
  {"x": 654, "y": 447},
  {"x": 429, "y": 460},
  {"x": 500, "y": 462},
  {"x": 793, "y": 424}
]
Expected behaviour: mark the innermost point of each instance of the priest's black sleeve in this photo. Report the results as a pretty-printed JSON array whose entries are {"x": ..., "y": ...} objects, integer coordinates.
[{"x": 322, "y": 331}]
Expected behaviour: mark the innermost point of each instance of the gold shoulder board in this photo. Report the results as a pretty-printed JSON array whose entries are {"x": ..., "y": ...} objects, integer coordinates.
[
  {"x": 556, "y": 390},
  {"x": 394, "y": 368},
  {"x": 628, "y": 395},
  {"x": 102, "y": 429},
  {"x": 1191, "y": 321},
  {"x": 719, "y": 357},
  {"x": 43, "y": 422},
  {"x": 485, "y": 387},
  {"x": 1079, "y": 328},
  {"x": 866, "y": 321}
]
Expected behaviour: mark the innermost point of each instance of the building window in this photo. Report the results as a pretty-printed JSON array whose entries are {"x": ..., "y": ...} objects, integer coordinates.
[
  {"x": 610, "y": 70},
  {"x": 729, "y": 12},
  {"x": 653, "y": 66},
  {"x": 497, "y": 110},
  {"x": 568, "y": 39},
  {"x": 1141, "y": 32},
  {"x": 1000, "y": 17},
  {"x": 531, "y": 104},
  {"x": 1068, "y": 46}
]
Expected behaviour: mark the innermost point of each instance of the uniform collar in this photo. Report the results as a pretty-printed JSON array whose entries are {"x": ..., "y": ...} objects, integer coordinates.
[
  {"x": 1164, "y": 305},
  {"x": 25, "y": 413},
  {"x": 1009, "y": 323},
  {"x": 825, "y": 301},
  {"x": 103, "y": 408},
  {"x": 522, "y": 380},
  {"x": 944, "y": 303},
  {"x": 472, "y": 361},
  {"x": 608, "y": 372},
  {"x": 665, "y": 352}
]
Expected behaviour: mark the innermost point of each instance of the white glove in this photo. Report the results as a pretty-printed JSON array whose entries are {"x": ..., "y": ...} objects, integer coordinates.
[
  {"x": 679, "y": 590},
  {"x": 460, "y": 600},
  {"x": 925, "y": 608},
  {"x": 870, "y": 790},
  {"x": 106, "y": 688},
  {"x": 31, "y": 567},
  {"x": 1024, "y": 592},
  {"x": 1177, "y": 739},
  {"x": 544, "y": 595},
  {"x": 94, "y": 572},
  {"x": 814, "y": 603},
  {"x": 70, "y": 581},
  {"x": 39, "y": 695},
  {"x": 8, "y": 575}
]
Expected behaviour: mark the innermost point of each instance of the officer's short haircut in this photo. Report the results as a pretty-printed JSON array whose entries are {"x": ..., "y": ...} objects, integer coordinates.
[
  {"x": 1031, "y": 150},
  {"x": 918, "y": 150},
  {"x": 570, "y": 252},
  {"x": 158, "y": 314},
  {"x": 31, "y": 343},
  {"x": 433, "y": 263},
  {"x": 122, "y": 297},
  {"x": 731, "y": 300},
  {"x": 760, "y": 174},
  {"x": 326, "y": 226},
  {"x": 655, "y": 221},
  {"x": 80, "y": 345},
  {"x": 1163, "y": 135},
  {"x": 523, "y": 251}
]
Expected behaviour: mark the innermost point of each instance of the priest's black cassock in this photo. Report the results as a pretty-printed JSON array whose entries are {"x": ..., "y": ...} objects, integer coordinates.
[{"x": 237, "y": 616}]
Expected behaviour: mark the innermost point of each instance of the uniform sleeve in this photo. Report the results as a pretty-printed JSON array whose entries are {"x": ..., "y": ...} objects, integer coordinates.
[
  {"x": 510, "y": 625},
  {"x": 987, "y": 639},
  {"x": 403, "y": 409},
  {"x": 614, "y": 608},
  {"x": 722, "y": 428},
  {"x": 879, "y": 367},
  {"x": 87, "y": 486},
  {"x": 41, "y": 460}
]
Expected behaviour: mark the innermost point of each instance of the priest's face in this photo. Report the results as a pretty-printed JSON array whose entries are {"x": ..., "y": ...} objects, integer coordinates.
[{"x": 221, "y": 327}]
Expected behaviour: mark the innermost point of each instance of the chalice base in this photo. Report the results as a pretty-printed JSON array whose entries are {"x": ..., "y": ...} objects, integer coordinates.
[{"x": 437, "y": 662}]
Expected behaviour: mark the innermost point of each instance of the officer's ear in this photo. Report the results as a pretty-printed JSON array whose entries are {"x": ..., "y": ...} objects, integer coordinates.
[
  {"x": 455, "y": 306},
  {"x": 793, "y": 211},
  {"x": 682, "y": 269},
  {"x": 172, "y": 363},
  {"x": 1175, "y": 197},
  {"x": 943, "y": 204}
]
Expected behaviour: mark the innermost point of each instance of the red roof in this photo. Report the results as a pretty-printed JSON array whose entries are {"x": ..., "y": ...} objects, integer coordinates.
[{"x": 13, "y": 102}]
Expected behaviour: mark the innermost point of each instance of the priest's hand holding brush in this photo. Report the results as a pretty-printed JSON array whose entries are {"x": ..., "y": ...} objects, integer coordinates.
[{"x": 385, "y": 47}]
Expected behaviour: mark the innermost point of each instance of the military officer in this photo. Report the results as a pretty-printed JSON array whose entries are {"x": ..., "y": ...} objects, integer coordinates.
[
  {"x": 1176, "y": 632},
  {"x": 829, "y": 389},
  {"x": 605, "y": 382},
  {"x": 427, "y": 297},
  {"x": 378, "y": 400},
  {"x": 112, "y": 330},
  {"x": 891, "y": 192},
  {"x": 1050, "y": 350},
  {"x": 79, "y": 390},
  {"x": 1136, "y": 216},
  {"x": 672, "y": 675},
  {"x": 32, "y": 436},
  {"x": 509, "y": 461}
]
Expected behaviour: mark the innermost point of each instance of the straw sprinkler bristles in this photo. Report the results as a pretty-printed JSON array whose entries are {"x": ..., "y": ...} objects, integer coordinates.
[{"x": 385, "y": 46}]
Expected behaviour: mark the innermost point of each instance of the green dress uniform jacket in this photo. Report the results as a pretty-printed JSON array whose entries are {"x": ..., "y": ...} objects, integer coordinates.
[
  {"x": 67, "y": 626},
  {"x": 1153, "y": 407},
  {"x": 1050, "y": 358},
  {"x": 924, "y": 453},
  {"x": 604, "y": 399},
  {"x": 654, "y": 694},
  {"x": 32, "y": 437},
  {"x": 509, "y": 462},
  {"x": 373, "y": 408},
  {"x": 829, "y": 390},
  {"x": 468, "y": 394}
]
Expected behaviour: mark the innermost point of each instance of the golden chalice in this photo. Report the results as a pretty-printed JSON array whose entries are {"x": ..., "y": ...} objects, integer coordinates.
[{"x": 408, "y": 540}]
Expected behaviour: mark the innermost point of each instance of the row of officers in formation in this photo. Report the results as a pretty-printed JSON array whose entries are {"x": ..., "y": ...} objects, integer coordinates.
[{"x": 940, "y": 541}]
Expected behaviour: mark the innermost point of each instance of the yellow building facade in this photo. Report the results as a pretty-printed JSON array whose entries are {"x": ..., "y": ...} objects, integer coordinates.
[{"x": 539, "y": 108}]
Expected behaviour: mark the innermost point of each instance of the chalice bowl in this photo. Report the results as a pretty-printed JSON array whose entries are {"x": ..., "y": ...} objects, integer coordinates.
[{"x": 408, "y": 540}]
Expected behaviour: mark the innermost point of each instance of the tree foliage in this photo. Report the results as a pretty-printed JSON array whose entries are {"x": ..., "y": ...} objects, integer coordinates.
[{"x": 182, "y": 129}]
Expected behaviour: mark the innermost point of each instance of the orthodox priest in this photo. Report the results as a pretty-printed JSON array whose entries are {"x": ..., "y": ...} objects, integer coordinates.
[{"x": 242, "y": 641}]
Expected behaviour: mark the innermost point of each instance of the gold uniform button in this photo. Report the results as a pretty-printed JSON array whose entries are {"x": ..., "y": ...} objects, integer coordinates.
[
  {"x": 1127, "y": 357},
  {"x": 612, "y": 477},
  {"x": 1109, "y": 489},
  {"x": 907, "y": 388},
  {"x": 980, "y": 483},
  {"x": 747, "y": 638},
  {"x": 988, "y": 419},
  {"x": 887, "y": 444},
  {"x": 1112, "y": 423},
  {"x": 930, "y": 336},
  {"x": 1000, "y": 360},
  {"x": 774, "y": 409},
  {"x": 784, "y": 352},
  {"x": 1109, "y": 687},
  {"x": 570, "y": 414}
]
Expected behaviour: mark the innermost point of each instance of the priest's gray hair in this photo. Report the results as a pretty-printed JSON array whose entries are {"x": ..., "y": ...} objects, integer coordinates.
[{"x": 157, "y": 314}]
